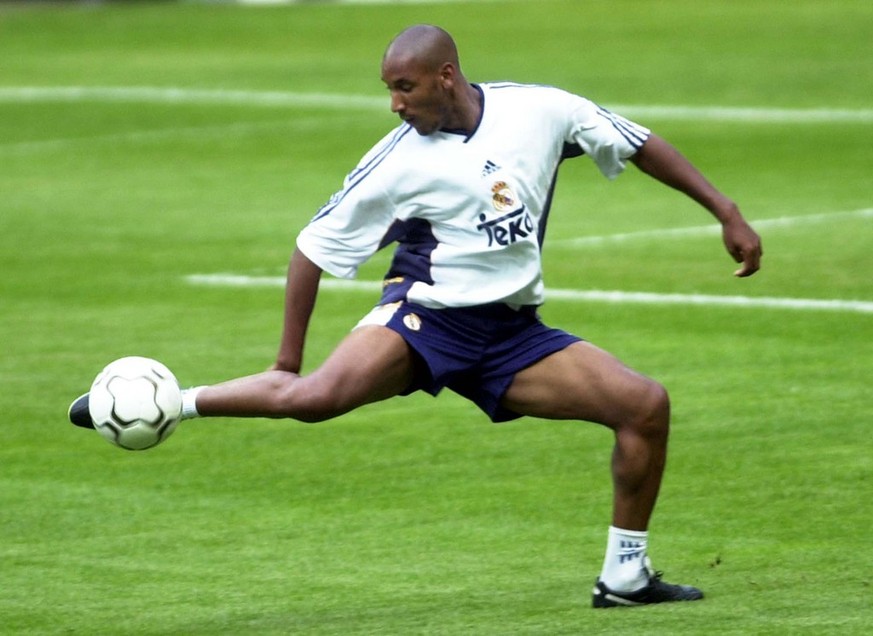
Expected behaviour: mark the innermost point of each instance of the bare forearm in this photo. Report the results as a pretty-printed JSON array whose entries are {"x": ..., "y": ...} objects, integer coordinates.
[
  {"x": 660, "y": 160},
  {"x": 301, "y": 289}
]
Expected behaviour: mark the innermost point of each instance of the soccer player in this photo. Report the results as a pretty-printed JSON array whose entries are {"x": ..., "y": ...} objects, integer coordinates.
[{"x": 464, "y": 186}]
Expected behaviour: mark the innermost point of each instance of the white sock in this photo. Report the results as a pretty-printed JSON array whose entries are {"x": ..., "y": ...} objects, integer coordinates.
[
  {"x": 189, "y": 403},
  {"x": 624, "y": 566}
]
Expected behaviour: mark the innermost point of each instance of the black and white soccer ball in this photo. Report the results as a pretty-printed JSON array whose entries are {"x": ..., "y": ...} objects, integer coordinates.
[{"x": 135, "y": 403}]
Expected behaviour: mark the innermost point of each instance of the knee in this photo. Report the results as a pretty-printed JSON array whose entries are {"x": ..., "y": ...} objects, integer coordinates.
[
  {"x": 652, "y": 414},
  {"x": 308, "y": 401}
]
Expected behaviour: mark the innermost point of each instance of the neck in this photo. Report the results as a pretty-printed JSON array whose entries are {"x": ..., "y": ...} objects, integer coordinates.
[{"x": 468, "y": 108}]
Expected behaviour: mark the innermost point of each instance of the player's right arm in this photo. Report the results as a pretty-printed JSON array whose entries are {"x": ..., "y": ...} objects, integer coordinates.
[
  {"x": 343, "y": 234},
  {"x": 301, "y": 289}
]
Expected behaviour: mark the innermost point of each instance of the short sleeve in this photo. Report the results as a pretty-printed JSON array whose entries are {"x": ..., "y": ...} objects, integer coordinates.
[
  {"x": 609, "y": 139},
  {"x": 348, "y": 229}
]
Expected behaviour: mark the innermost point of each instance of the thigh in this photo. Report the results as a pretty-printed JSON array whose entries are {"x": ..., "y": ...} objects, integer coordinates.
[
  {"x": 579, "y": 382},
  {"x": 372, "y": 363}
]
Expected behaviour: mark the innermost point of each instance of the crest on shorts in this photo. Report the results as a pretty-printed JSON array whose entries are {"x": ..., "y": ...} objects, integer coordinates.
[{"x": 412, "y": 322}]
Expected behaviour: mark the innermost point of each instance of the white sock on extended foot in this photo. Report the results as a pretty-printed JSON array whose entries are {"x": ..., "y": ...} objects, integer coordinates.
[
  {"x": 624, "y": 566},
  {"x": 189, "y": 402}
]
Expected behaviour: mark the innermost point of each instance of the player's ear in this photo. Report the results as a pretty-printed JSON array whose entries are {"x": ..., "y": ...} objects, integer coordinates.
[{"x": 447, "y": 75}]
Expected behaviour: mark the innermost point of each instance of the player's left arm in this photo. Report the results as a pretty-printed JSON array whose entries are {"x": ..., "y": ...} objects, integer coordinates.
[{"x": 661, "y": 160}]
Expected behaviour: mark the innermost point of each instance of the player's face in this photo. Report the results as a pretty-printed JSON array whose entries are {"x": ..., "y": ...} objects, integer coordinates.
[{"x": 418, "y": 96}]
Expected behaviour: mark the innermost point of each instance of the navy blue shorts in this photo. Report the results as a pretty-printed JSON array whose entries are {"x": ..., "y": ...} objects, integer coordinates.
[{"x": 474, "y": 351}]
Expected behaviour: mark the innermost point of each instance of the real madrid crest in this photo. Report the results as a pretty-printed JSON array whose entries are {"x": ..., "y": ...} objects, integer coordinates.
[{"x": 503, "y": 197}]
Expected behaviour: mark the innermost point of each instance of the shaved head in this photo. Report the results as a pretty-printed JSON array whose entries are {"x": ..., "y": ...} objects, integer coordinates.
[
  {"x": 428, "y": 91},
  {"x": 428, "y": 46}
]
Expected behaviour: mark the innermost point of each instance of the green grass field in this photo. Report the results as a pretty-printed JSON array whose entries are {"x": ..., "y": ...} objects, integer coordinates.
[{"x": 418, "y": 516}]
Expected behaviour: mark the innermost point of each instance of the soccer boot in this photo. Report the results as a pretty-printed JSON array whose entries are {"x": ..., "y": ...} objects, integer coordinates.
[
  {"x": 656, "y": 591},
  {"x": 79, "y": 413}
]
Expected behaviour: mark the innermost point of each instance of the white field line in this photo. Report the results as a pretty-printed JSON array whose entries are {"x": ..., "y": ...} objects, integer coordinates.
[
  {"x": 190, "y": 133},
  {"x": 278, "y": 99},
  {"x": 172, "y": 95},
  {"x": 594, "y": 295},
  {"x": 282, "y": 2},
  {"x": 747, "y": 114},
  {"x": 712, "y": 229}
]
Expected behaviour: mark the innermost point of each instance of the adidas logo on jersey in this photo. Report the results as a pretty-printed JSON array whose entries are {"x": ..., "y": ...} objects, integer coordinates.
[{"x": 490, "y": 168}]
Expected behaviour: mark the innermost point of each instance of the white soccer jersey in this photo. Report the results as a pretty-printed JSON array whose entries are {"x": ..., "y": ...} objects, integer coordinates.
[{"x": 468, "y": 213}]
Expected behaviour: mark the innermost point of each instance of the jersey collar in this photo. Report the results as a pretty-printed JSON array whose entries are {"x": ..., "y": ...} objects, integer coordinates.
[{"x": 456, "y": 131}]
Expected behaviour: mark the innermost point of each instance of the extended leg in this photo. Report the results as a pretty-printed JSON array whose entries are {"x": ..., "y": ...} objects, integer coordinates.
[{"x": 372, "y": 363}]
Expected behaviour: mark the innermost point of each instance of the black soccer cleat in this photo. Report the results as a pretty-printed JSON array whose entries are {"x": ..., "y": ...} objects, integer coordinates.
[
  {"x": 79, "y": 413},
  {"x": 657, "y": 591}
]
